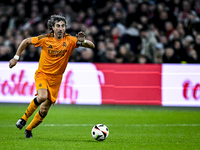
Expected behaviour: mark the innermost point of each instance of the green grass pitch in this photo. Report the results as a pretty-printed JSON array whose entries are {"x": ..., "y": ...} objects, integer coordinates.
[{"x": 131, "y": 128}]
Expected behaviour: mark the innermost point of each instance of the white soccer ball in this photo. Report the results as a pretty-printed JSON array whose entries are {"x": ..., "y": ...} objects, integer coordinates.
[{"x": 100, "y": 132}]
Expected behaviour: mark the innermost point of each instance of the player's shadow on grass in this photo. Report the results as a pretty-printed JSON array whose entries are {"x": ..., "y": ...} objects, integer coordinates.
[
  {"x": 75, "y": 140},
  {"x": 65, "y": 140}
]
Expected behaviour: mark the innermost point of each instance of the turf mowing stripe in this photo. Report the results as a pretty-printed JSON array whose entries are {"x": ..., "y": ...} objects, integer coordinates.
[{"x": 136, "y": 125}]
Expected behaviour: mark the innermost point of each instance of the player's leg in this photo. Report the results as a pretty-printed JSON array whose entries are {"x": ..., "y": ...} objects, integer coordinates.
[
  {"x": 38, "y": 118},
  {"x": 42, "y": 96},
  {"x": 29, "y": 111},
  {"x": 53, "y": 85}
]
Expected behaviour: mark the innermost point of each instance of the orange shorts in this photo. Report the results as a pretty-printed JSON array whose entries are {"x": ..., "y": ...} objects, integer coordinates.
[{"x": 49, "y": 82}]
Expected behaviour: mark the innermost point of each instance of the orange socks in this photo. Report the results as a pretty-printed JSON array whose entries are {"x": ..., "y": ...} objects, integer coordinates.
[
  {"x": 35, "y": 122},
  {"x": 31, "y": 108}
]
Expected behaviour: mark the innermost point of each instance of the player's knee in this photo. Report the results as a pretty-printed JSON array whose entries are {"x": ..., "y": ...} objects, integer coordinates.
[
  {"x": 43, "y": 112},
  {"x": 41, "y": 98}
]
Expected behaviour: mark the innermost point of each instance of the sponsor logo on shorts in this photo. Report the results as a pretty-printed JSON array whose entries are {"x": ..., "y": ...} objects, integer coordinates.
[{"x": 40, "y": 85}]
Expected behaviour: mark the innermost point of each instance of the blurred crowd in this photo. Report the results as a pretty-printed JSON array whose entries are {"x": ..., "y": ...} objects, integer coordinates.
[{"x": 123, "y": 31}]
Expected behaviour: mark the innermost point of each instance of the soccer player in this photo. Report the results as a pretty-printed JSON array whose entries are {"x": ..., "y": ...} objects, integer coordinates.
[{"x": 57, "y": 48}]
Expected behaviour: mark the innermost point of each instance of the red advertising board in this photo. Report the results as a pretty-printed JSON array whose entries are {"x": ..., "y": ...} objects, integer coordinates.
[{"x": 131, "y": 84}]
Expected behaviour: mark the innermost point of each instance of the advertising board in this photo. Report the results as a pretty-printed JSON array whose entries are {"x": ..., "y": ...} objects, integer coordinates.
[{"x": 180, "y": 85}]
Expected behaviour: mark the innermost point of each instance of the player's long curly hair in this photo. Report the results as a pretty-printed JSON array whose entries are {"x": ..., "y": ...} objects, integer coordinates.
[{"x": 53, "y": 19}]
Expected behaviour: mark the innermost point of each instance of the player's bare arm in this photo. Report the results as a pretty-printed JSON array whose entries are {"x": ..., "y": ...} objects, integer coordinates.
[
  {"x": 85, "y": 43},
  {"x": 20, "y": 49}
]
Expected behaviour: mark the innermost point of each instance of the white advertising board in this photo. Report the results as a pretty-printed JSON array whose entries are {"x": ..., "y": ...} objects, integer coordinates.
[
  {"x": 180, "y": 85},
  {"x": 80, "y": 84}
]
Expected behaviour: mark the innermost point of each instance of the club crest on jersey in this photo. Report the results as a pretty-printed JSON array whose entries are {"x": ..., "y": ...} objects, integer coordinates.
[{"x": 64, "y": 44}]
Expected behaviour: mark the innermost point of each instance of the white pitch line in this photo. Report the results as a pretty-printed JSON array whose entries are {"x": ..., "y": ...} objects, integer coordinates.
[{"x": 115, "y": 125}]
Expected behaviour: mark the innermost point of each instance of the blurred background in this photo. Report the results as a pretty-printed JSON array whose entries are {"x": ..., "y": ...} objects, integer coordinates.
[{"x": 124, "y": 31}]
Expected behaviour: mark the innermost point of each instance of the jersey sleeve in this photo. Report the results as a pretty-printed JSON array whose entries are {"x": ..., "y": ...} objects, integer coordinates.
[{"x": 38, "y": 40}]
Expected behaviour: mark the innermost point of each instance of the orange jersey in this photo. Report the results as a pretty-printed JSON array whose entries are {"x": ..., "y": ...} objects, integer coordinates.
[{"x": 55, "y": 53}]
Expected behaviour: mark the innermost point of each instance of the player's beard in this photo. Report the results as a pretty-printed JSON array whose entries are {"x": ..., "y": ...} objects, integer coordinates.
[{"x": 60, "y": 34}]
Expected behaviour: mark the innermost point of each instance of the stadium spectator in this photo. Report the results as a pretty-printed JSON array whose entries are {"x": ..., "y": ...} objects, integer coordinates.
[
  {"x": 70, "y": 15},
  {"x": 197, "y": 44},
  {"x": 168, "y": 29},
  {"x": 187, "y": 41},
  {"x": 110, "y": 53},
  {"x": 180, "y": 52},
  {"x": 142, "y": 59},
  {"x": 152, "y": 11},
  {"x": 5, "y": 53},
  {"x": 40, "y": 28},
  {"x": 101, "y": 49},
  {"x": 2, "y": 40},
  {"x": 148, "y": 44},
  {"x": 32, "y": 54},
  {"x": 164, "y": 41},
  {"x": 160, "y": 49},
  {"x": 193, "y": 56},
  {"x": 119, "y": 58},
  {"x": 184, "y": 14},
  {"x": 125, "y": 51},
  {"x": 193, "y": 24},
  {"x": 169, "y": 56},
  {"x": 131, "y": 57},
  {"x": 163, "y": 18},
  {"x": 87, "y": 55},
  {"x": 131, "y": 14},
  {"x": 158, "y": 59}
]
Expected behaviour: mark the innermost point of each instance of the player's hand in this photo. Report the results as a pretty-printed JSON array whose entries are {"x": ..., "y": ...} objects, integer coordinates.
[
  {"x": 80, "y": 36},
  {"x": 12, "y": 63}
]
